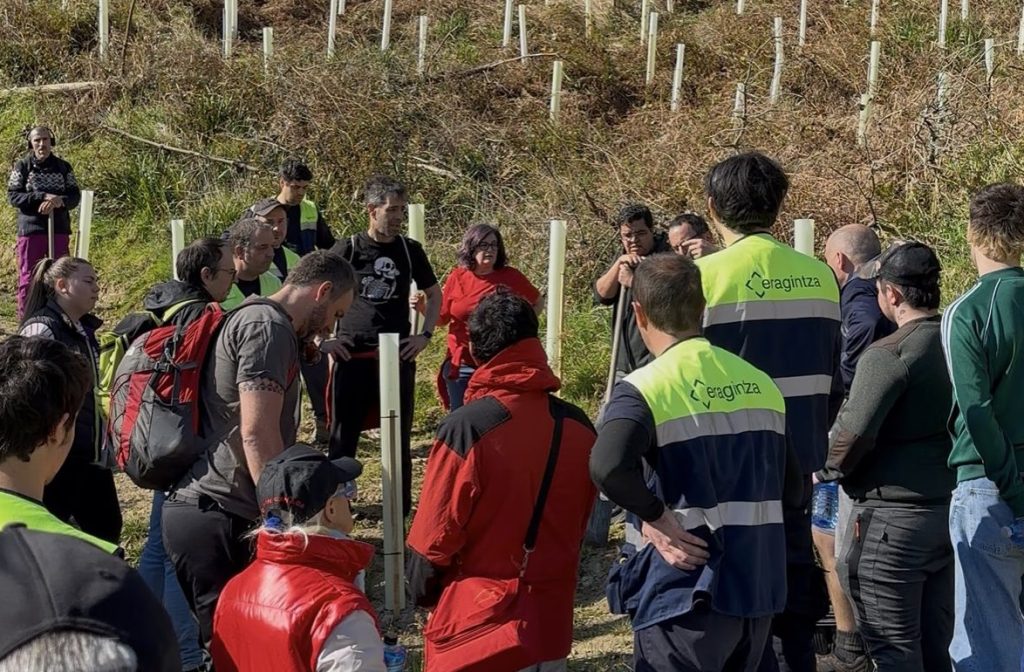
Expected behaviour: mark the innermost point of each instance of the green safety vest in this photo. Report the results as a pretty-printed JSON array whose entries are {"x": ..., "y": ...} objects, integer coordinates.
[
  {"x": 268, "y": 285},
  {"x": 33, "y": 515}
]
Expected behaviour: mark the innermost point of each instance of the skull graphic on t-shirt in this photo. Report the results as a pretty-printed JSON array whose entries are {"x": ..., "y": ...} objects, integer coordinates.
[{"x": 382, "y": 284}]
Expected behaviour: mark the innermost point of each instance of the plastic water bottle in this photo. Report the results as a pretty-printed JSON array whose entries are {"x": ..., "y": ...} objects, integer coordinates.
[
  {"x": 825, "y": 506},
  {"x": 395, "y": 655}
]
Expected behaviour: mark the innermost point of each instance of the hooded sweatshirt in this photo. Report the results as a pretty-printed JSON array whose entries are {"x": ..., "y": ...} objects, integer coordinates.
[
  {"x": 184, "y": 302},
  {"x": 481, "y": 485}
]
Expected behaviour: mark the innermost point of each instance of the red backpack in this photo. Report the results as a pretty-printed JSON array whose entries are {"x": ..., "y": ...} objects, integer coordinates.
[{"x": 154, "y": 428}]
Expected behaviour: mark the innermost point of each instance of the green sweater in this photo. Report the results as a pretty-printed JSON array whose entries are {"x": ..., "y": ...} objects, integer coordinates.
[
  {"x": 982, "y": 332},
  {"x": 890, "y": 443}
]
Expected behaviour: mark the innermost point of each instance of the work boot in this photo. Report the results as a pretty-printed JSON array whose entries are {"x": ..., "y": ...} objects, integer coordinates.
[{"x": 323, "y": 433}]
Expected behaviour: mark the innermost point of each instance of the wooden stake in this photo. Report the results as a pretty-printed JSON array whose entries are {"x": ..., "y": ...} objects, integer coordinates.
[
  {"x": 332, "y": 27},
  {"x": 802, "y": 40},
  {"x": 943, "y": 19},
  {"x": 739, "y": 108},
  {"x": 874, "y": 18},
  {"x": 522, "y": 32},
  {"x": 677, "y": 76},
  {"x": 385, "y": 37},
  {"x": 268, "y": 48},
  {"x": 556, "y": 92},
  {"x": 391, "y": 474},
  {"x": 104, "y": 27},
  {"x": 506, "y": 33},
  {"x": 652, "y": 47},
  {"x": 862, "y": 121},
  {"x": 421, "y": 55},
  {"x": 50, "y": 237},
  {"x": 556, "y": 277},
  {"x": 84, "y": 223},
  {"x": 776, "y": 88}
]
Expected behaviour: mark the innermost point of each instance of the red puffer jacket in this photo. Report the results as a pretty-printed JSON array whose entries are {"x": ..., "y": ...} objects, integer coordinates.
[
  {"x": 276, "y": 615},
  {"x": 481, "y": 485}
]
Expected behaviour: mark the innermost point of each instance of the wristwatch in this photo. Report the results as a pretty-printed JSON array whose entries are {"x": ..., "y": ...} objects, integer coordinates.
[{"x": 427, "y": 334}]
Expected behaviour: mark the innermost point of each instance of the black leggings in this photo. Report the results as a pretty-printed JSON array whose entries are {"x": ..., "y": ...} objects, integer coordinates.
[{"x": 86, "y": 493}]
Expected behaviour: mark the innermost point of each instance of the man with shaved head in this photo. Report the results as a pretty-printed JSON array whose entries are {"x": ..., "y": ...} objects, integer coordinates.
[{"x": 847, "y": 250}]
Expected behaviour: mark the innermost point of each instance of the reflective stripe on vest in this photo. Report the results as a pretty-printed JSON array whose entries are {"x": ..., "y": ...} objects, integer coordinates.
[
  {"x": 739, "y": 514},
  {"x": 307, "y": 215},
  {"x": 804, "y": 386}
]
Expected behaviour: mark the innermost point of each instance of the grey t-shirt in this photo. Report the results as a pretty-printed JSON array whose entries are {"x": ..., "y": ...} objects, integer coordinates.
[{"x": 257, "y": 341}]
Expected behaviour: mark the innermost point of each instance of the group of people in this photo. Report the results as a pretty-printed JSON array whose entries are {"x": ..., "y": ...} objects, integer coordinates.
[{"x": 747, "y": 377}]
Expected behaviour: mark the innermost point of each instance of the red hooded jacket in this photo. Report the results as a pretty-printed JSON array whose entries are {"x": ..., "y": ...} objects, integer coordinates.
[
  {"x": 276, "y": 615},
  {"x": 481, "y": 485}
]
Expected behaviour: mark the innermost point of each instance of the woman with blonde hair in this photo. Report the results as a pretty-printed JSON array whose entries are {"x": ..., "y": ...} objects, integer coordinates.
[{"x": 61, "y": 298}]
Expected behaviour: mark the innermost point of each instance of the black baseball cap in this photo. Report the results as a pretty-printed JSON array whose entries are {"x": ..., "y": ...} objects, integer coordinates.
[
  {"x": 263, "y": 207},
  {"x": 53, "y": 582},
  {"x": 908, "y": 264},
  {"x": 301, "y": 480}
]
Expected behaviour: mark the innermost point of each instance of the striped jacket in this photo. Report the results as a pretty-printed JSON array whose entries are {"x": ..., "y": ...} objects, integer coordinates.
[
  {"x": 779, "y": 310},
  {"x": 718, "y": 460}
]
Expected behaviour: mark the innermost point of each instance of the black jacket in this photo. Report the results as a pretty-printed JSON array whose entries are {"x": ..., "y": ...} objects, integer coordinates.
[
  {"x": 27, "y": 186},
  {"x": 86, "y": 447},
  {"x": 862, "y": 323},
  {"x": 158, "y": 301}
]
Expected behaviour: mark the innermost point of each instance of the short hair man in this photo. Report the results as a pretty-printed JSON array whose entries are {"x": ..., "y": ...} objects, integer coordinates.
[
  {"x": 690, "y": 236},
  {"x": 635, "y": 228},
  {"x": 42, "y": 386},
  {"x": 487, "y": 464},
  {"x": 252, "y": 245},
  {"x": 889, "y": 449},
  {"x": 693, "y": 447},
  {"x": 271, "y": 212},
  {"x": 250, "y": 391},
  {"x": 981, "y": 335},
  {"x": 41, "y": 185},
  {"x": 386, "y": 263},
  {"x": 65, "y": 601},
  {"x": 779, "y": 310},
  {"x": 306, "y": 230},
  {"x": 848, "y": 250}
]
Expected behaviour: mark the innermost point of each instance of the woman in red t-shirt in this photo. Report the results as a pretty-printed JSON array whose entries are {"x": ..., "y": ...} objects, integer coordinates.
[{"x": 482, "y": 269}]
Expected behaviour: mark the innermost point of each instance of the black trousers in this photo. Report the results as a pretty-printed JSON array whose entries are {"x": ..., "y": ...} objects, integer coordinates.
[
  {"x": 897, "y": 566},
  {"x": 86, "y": 493},
  {"x": 315, "y": 377},
  {"x": 207, "y": 548},
  {"x": 701, "y": 641},
  {"x": 355, "y": 386},
  {"x": 791, "y": 646}
]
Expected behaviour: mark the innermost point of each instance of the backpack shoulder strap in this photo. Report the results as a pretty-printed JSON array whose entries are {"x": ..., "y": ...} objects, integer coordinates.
[
  {"x": 352, "y": 248},
  {"x": 408, "y": 258},
  {"x": 174, "y": 310},
  {"x": 558, "y": 413}
]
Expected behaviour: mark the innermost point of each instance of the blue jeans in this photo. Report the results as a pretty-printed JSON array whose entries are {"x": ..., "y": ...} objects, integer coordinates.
[
  {"x": 457, "y": 387},
  {"x": 988, "y": 633},
  {"x": 158, "y": 573}
]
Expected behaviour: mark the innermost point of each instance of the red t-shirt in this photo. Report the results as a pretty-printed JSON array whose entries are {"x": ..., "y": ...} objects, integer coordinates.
[{"x": 462, "y": 292}]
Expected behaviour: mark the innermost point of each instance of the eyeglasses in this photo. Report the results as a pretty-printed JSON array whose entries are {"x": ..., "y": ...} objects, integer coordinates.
[
  {"x": 487, "y": 247},
  {"x": 348, "y": 490},
  {"x": 230, "y": 271}
]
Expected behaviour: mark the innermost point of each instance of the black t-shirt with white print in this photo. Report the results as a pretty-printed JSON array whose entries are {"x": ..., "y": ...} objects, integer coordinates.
[{"x": 382, "y": 287}]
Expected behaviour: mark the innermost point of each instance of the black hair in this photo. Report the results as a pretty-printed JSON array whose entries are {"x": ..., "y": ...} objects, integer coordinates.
[
  {"x": 747, "y": 191},
  {"x": 926, "y": 298},
  {"x": 500, "y": 320},
  {"x": 698, "y": 224},
  {"x": 668, "y": 287},
  {"x": 322, "y": 266},
  {"x": 200, "y": 254},
  {"x": 294, "y": 170},
  {"x": 40, "y": 381},
  {"x": 633, "y": 212},
  {"x": 472, "y": 239}
]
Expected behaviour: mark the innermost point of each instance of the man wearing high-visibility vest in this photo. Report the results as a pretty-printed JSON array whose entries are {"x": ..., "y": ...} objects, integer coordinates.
[
  {"x": 779, "y": 310},
  {"x": 307, "y": 230},
  {"x": 693, "y": 446}
]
